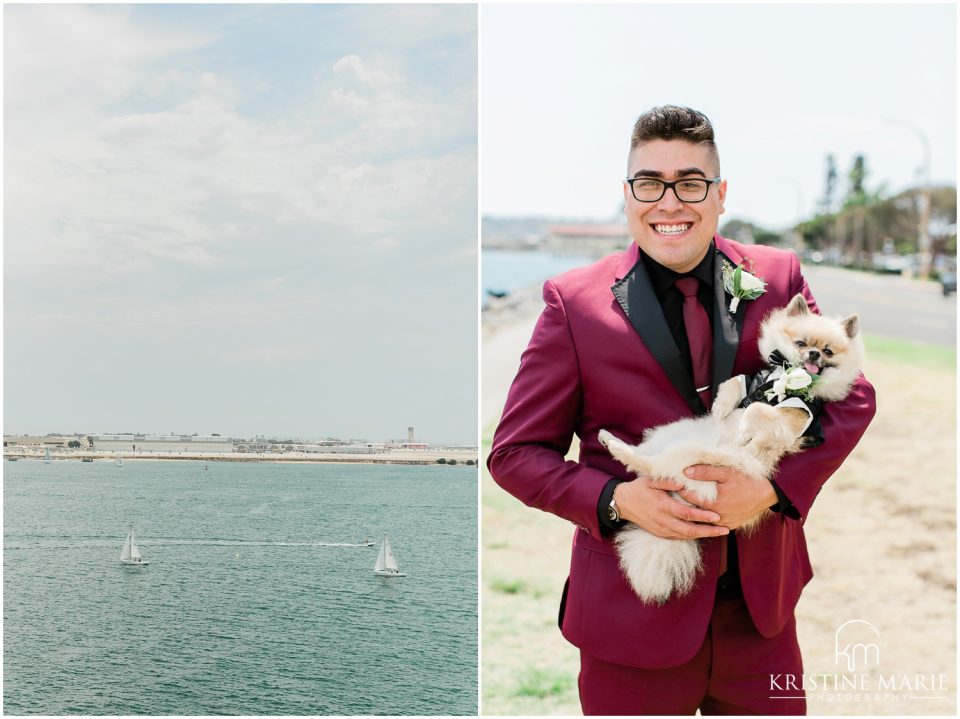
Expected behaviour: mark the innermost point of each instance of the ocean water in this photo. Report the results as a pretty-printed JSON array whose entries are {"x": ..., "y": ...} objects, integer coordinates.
[
  {"x": 511, "y": 270},
  {"x": 256, "y": 599}
]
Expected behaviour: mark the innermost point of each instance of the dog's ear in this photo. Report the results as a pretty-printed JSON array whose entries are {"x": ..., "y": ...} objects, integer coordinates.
[
  {"x": 851, "y": 325},
  {"x": 798, "y": 306}
]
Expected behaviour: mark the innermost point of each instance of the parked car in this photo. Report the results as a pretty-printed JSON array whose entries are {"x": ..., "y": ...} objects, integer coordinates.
[
  {"x": 948, "y": 282},
  {"x": 892, "y": 263}
]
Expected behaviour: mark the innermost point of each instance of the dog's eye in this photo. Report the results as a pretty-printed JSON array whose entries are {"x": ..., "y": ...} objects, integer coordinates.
[
  {"x": 800, "y": 343},
  {"x": 828, "y": 352}
]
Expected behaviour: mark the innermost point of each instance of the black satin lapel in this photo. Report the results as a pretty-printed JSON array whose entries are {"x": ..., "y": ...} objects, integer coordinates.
[
  {"x": 639, "y": 302},
  {"x": 727, "y": 327}
]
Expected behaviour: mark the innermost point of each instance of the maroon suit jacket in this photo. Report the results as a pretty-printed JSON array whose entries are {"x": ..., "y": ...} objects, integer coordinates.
[{"x": 602, "y": 357}]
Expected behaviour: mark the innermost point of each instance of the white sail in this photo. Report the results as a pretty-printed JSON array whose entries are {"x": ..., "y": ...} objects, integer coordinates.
[
  {"x": 131, "y": 552},
  {"x": 389, "y": 560},
  {"x": 125, "y": 554},
  {"x": 386, "y": 565},
  {"x": 46, "y": 456},
  {"x": 134, "y": 549},
  {"x": 381, "y": 558}
]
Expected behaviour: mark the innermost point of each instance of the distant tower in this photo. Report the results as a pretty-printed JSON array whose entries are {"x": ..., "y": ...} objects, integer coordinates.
[{"x": 410, "y": 434}]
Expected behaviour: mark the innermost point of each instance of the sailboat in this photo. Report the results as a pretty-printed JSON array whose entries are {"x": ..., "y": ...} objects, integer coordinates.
[
  {"x": 46, "y": 456},
  {"x": 131, "y": 552},
  {"x": 386, "y": 565},
  {"x": 119, "y": 459}
]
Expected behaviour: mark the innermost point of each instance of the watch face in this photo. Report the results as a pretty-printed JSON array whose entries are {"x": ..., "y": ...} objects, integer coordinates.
[{"x": 612, "y": 513}]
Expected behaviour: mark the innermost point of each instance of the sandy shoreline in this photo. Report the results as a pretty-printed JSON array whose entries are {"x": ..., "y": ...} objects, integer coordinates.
[{"x": 417, "y": 457}]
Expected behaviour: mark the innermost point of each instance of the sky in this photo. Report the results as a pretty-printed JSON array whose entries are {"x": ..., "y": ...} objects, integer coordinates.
[
  {"x": 241, "y": 219},
  {"x": 784, "y": 86}
]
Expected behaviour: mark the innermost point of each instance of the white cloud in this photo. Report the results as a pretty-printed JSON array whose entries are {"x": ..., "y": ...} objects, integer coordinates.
[
  {"x": 351, "y": 66},
  {"x": 88, "y": 185},
  {"x": 183, "y": 206},
  {"x": 81, "y": 53},
  {"x": 386, "y": 243}
]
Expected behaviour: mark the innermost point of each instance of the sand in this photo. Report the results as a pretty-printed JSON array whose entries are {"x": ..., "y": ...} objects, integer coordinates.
[{"x": 398, "y": 456}]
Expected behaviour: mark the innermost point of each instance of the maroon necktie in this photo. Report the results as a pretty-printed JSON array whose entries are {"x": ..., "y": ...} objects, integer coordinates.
[{"x": 699, "y": 337}]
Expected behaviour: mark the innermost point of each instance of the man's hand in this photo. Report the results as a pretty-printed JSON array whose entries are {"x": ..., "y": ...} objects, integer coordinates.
[
  {"x": 647, "y": 503},
  {"x": 739, "y": 496}
]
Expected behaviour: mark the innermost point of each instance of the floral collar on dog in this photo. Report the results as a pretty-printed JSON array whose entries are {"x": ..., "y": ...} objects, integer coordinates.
[{"x": 784, "y": 384}]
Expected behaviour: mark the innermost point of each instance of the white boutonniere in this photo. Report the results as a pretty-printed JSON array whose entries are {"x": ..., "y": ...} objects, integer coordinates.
[
  {"x": 741, "y": 285},
  {"x": 794, "y": 381}
]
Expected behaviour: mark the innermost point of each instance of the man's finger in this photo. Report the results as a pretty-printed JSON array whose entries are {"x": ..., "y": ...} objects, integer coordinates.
[
  {"x": 692, "y": 530},
  {"x": 695, "y": 500},
  {"x": 695, "y": 514},
  {"x": 707, "y": 472},
  {"x": 666, "y": 484}
]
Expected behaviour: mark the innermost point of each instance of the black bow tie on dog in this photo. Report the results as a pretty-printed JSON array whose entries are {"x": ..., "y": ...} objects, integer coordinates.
[{"x": 776, "y": 358}]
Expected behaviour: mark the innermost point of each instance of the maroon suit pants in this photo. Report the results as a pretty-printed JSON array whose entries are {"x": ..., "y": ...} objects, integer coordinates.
[{"x": 730, "y": 674}]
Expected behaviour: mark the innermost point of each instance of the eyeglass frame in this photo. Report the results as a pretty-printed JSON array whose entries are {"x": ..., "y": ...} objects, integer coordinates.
[{"x": 673, "y": 186}]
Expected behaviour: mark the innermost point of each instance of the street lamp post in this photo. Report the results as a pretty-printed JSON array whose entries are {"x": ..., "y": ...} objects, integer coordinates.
[{"x": 923, "y": 236}]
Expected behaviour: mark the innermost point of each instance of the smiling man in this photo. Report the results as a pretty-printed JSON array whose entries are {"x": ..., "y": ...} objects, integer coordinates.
[{"x": 634, "y": 341}]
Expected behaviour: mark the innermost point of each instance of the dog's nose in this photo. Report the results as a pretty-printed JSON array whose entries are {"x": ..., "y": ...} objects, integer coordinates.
[{"x": 813, "y": 355}]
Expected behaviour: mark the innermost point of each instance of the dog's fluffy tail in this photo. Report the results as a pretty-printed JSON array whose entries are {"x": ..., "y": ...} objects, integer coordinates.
[
  {"x": 657, "y": 568},
  {"x": 629, "y": 456}
]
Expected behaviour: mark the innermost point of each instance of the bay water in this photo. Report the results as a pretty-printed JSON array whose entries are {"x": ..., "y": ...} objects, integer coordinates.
[
  {"x": 257, "y": 598},
  {"x": 511, "y": 270}
]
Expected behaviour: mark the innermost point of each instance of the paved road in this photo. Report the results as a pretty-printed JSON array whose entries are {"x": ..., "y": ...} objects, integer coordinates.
[{"x": 888, "y": 305}]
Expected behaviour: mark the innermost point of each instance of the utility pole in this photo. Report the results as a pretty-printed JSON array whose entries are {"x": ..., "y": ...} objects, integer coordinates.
[{"x": 923, "y": 234}]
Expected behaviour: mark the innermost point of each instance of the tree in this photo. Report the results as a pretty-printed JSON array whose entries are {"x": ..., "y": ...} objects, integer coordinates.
[
  {"x": 749, "y": 233},
  {"x": 826, "y": 204},
  {"x": 858, "y": 173},
  {"x": 857, "y": 194}
]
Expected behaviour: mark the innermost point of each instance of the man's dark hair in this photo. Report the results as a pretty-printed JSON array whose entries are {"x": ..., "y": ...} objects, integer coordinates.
[{"x": 671, "y": 122}]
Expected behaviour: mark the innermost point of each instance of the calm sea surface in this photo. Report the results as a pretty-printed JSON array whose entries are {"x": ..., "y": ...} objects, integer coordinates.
[
  {"x": 510, "y": 270},
  {"x": 254, "y": 601}
]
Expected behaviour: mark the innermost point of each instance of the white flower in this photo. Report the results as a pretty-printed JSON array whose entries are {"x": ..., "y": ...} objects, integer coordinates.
[
  {"x": 797, "y": 378},
  {"x": 793, "y": 379},
  {"x": 749, "y": 283},
  {"x": 741, "y": 285}
]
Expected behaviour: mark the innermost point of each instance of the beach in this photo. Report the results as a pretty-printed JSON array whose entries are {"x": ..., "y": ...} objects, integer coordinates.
[
  {"x": 881, "y": 538},
  {"x": 396, "y": 456}
]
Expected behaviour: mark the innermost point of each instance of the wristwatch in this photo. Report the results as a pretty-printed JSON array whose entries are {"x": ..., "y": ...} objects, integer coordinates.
[{"x": 613, "y": 514}]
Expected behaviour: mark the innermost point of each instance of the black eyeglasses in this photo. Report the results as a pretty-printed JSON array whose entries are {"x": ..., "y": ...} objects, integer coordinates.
[{"x": 689, "y": 189}]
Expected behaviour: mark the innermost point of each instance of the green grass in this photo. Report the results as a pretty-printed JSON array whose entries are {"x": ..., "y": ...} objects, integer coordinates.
[
  {"x": 515, "y": 587},
  {"x": 543, "y": 683},
  {"x": 914, "y": 354},
  {"x": 487, "y": 438}
]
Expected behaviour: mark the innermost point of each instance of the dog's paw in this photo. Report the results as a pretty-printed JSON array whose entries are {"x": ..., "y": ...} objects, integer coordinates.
[
  {"x": 610, "y": 441},
  {"x": 727, "y": 399}
]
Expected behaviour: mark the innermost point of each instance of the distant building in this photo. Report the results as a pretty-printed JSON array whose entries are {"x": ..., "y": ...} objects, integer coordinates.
[
  {"x": 336, "y": 448},
  {"x": 598, "y": 238},
  {"x": 161, "y": 443},
  {"x": 50, "y": 440}
]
